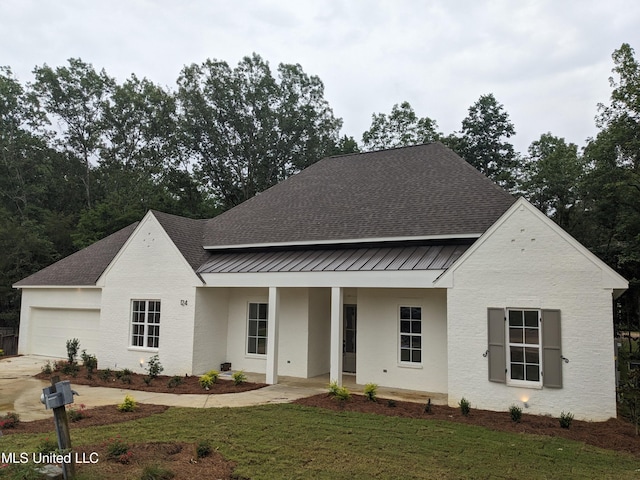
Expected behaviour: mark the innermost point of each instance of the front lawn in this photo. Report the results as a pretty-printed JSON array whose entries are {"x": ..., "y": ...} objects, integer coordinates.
[{"x": 294, "y": 441}]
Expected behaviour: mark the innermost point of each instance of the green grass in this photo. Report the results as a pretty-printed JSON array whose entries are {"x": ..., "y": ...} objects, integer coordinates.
[{"x": 291, "y": 441}]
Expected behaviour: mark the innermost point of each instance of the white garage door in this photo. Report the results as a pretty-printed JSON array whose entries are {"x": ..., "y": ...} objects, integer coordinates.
[{"x": 51, "y": 328}]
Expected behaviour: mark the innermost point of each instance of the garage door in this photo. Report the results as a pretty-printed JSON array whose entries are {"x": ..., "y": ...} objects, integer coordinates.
[{"x": 51, "y": 328}]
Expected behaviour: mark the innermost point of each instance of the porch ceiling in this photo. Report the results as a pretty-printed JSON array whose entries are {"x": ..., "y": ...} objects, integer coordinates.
[{"x": 432, "y": 257}]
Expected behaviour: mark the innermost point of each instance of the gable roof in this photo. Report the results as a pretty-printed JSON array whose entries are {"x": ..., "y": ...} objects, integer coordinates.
[
  {"x": 83, "y": 267},
  {"x": 186, "y": 234},
  {"x": 424, "y": 191}
]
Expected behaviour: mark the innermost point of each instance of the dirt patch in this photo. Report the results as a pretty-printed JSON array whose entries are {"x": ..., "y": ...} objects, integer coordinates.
[
  {"x": 162, "y": 384},
  {"x": 614, "y": 434}
]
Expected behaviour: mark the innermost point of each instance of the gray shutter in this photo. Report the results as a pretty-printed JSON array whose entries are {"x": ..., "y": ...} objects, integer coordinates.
[
  {"x": 497, "y": 352},
  {"x": 551, "y": 349}
]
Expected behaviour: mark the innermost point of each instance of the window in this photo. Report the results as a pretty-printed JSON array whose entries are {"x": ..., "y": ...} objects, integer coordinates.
[
  {"x": 257, "y": 329},
  {"x": 524, "y": 346},
  {"x": 411, "y": 334},
  {"x": 145, "y": 323}
]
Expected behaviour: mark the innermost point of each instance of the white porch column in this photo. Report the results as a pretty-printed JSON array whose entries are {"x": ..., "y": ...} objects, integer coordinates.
[
  {"x": 272, "y": 336},
  {"x": 336, "y": 335}
]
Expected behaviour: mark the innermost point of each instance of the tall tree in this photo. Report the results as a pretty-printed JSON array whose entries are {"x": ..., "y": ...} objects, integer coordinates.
[
  {"x": 482, "y": 142},
  {"x": 73, "y": 98},
  {"x": 245, "y": 130},
  {"x": 553, "y": 174},
  {"x": 401, "y": 128}
]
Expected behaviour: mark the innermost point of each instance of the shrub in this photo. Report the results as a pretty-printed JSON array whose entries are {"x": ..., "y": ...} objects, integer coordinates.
[
  {"x": 10, "y": 420},
  {"x": 70, "y": 368},
  {"x": 47, "y": 369},
  {"x": 213, "y": 374},
  {"x": 154, "y": 367},
  {"x": 465, "y": 406},
  {"x": 391, "y": 403},
  {"x": 90, "y": 362},
  {"x": 72, "y": 350},
  {"x": 124, "y": 375},
  {"x": 47, "y": 445},
  {"x": 427, "y": 407},
  {"x": 156, "y": 472},
  {"x": 336, "y": 391},
  {"x": 76, "y": 414},
  {"x": 128, "y": 405},
  {"x": 118, "y": 450},
  {"x": 58, "y": 365},
  {"x": 566, "y": 419},
  {"x": 516, "y": 413},
  {"x": 206, "y": 381},
  {"x": 371, "y": 391},
  {"x": 1, "y": 352},
  {"x": 203, "y": 449},
  {"x": 174, "y": 381},
  {"x": 105, "y": 374},
  {"x": 239, "y": 377}
]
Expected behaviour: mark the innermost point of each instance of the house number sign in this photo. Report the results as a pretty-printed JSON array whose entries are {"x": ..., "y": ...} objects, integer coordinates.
[{"x": 184, "y": 303}]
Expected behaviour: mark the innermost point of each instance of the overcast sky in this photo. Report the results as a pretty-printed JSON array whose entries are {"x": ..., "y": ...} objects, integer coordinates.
[{"x": 547, "y": 61}]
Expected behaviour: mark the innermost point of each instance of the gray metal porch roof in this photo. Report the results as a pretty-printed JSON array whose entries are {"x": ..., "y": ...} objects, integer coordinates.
[{"x": 432, "y": 257}]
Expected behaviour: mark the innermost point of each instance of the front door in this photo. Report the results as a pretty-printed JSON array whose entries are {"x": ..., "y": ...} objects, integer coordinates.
[{"x": 349, "y": 342}]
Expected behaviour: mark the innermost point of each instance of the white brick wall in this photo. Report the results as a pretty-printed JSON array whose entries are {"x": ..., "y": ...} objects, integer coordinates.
[{"x": 526, "y": 263}]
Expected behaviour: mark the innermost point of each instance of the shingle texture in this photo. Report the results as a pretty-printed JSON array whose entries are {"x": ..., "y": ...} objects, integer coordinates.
[
  {"x": 420, "y": 191},
  {"x": 426, "y": 190},
  {"x": 83, "y": 267}
]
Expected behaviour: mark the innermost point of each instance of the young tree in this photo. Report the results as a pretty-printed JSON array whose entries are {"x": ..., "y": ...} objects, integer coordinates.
[{"x": 401, "y": 128}]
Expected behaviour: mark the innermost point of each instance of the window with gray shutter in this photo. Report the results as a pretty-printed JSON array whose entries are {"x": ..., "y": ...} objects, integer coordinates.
[
  {"x": 551, "y": 349},
  {"x": 496, "y": 351}
]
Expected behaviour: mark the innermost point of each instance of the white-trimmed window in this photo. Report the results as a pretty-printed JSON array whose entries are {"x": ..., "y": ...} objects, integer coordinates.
[
  {"x": 524, "y": 362},
  {"x": 410, "y": 334},
  {"x": 257, "y": 329},
  {"x": 145, "y": 323}
]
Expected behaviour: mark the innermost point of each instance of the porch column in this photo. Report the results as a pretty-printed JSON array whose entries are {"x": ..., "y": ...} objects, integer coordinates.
[
  {"x": 272, "y": 336},
  {"x": 336, "y": 335}
]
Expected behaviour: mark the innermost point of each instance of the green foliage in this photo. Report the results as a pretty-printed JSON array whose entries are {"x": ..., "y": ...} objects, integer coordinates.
[
  {"x": 516, "y": 413},
  {"x": 72, "y": 350},
  {"x": 465, "y": 406},
  {"x": 175, "y": 381},
  {"x": 400, "y": 129},
  {"x": 371, "y": 391},
  {"x": 128, "y": 405},
  {"x": 566, "y": 419},
  {"x": 76, "y": 414},
  {"x": 70, "y": 368},
  {"x": 336, "y": 391},
  {"x": 203, "y": 449},
  {"x": 239, "y": 377},
  {"x": 156, "y": 472},
  {"x": 391, "y": 403},
  {"x": 47, "y": 369},
  {"x": 629, "y": 397},
  {"x": 118, "y": 450},
  {"x": 206, "y": 381},
  {"x": 105, "y": 374},
  {"x": 10, "y": 420},
  {"x": 47, "y": 445},
  {"x": 90, "y": 362},
  {"x": 427, "y": 407},
  {"x": 154, "y": 367}
]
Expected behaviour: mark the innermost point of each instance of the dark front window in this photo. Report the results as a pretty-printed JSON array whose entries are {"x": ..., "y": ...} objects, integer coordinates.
[
  {"x": 145, "y": 323},
  {"x": 411, "y": 334}
]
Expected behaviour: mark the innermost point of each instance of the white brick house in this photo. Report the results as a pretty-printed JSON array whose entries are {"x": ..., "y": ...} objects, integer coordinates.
[{"x": 404, "y": 267}]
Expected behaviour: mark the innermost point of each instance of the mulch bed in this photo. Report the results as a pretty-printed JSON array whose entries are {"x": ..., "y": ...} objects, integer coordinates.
[{"x": 614, "y": 434}]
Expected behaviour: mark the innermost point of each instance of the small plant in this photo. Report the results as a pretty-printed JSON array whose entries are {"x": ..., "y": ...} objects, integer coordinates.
[
  {"x": 10, "y": 420},
  {"x": 70, "y": 368},
  {"x": 90, "y": 362},
  {"x": 124, "y": 375},
  {"x": 156, "y": 472},
  {"x": 203, "y": 449},
  {"x": 391, "y": 403},
  {"x": 427, "y": 407},
  {"x": 465, "y": 406},
  {"x": 174, "y": 381},
  {"x": 58, "y": 365},
  {"x": 566, "y": 419},
  {"x": 154, "y": 367},
  {"x": 147, "y": 380},
  {"x": 516, "y": 413},
  {"x": 213, "y": 374},
  {"x": 105, "y": 374},
  {"x": 1, "y": 352},
  {"x": 206, "y": 381},
  {"x": 72, "y": 350},
  {"x": 128, "y": 405},
  {"x": 76, "y": 414},
  {"x": 371, "y": 391},
  {"x": 47, "y": 445},
  {"x": 239, "y": 378},
  {"x": 118, "y": 450},
  {"x": 47, "y": 369},
  {"x": 336, "y": 391}
]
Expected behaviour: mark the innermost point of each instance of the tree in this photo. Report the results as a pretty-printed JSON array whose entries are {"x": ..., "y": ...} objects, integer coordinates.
[
  {"x": 552, "y": 178},
  {"x": 401, "y": 128},
  {"x": 245, "y": 130},
  {"x": 73, "y": 98},
  {"x": 482, "y": 141}
]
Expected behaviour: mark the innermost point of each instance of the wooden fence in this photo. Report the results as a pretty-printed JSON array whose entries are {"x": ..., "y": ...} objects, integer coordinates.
[{"x": 9, "y": 344}]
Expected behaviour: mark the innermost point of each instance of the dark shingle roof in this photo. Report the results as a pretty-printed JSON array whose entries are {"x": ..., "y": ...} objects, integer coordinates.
[
  {"x": 83, "y": 267},
  {"x": 186, "y": 234},
  {"x": 425, "y": 190}
]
